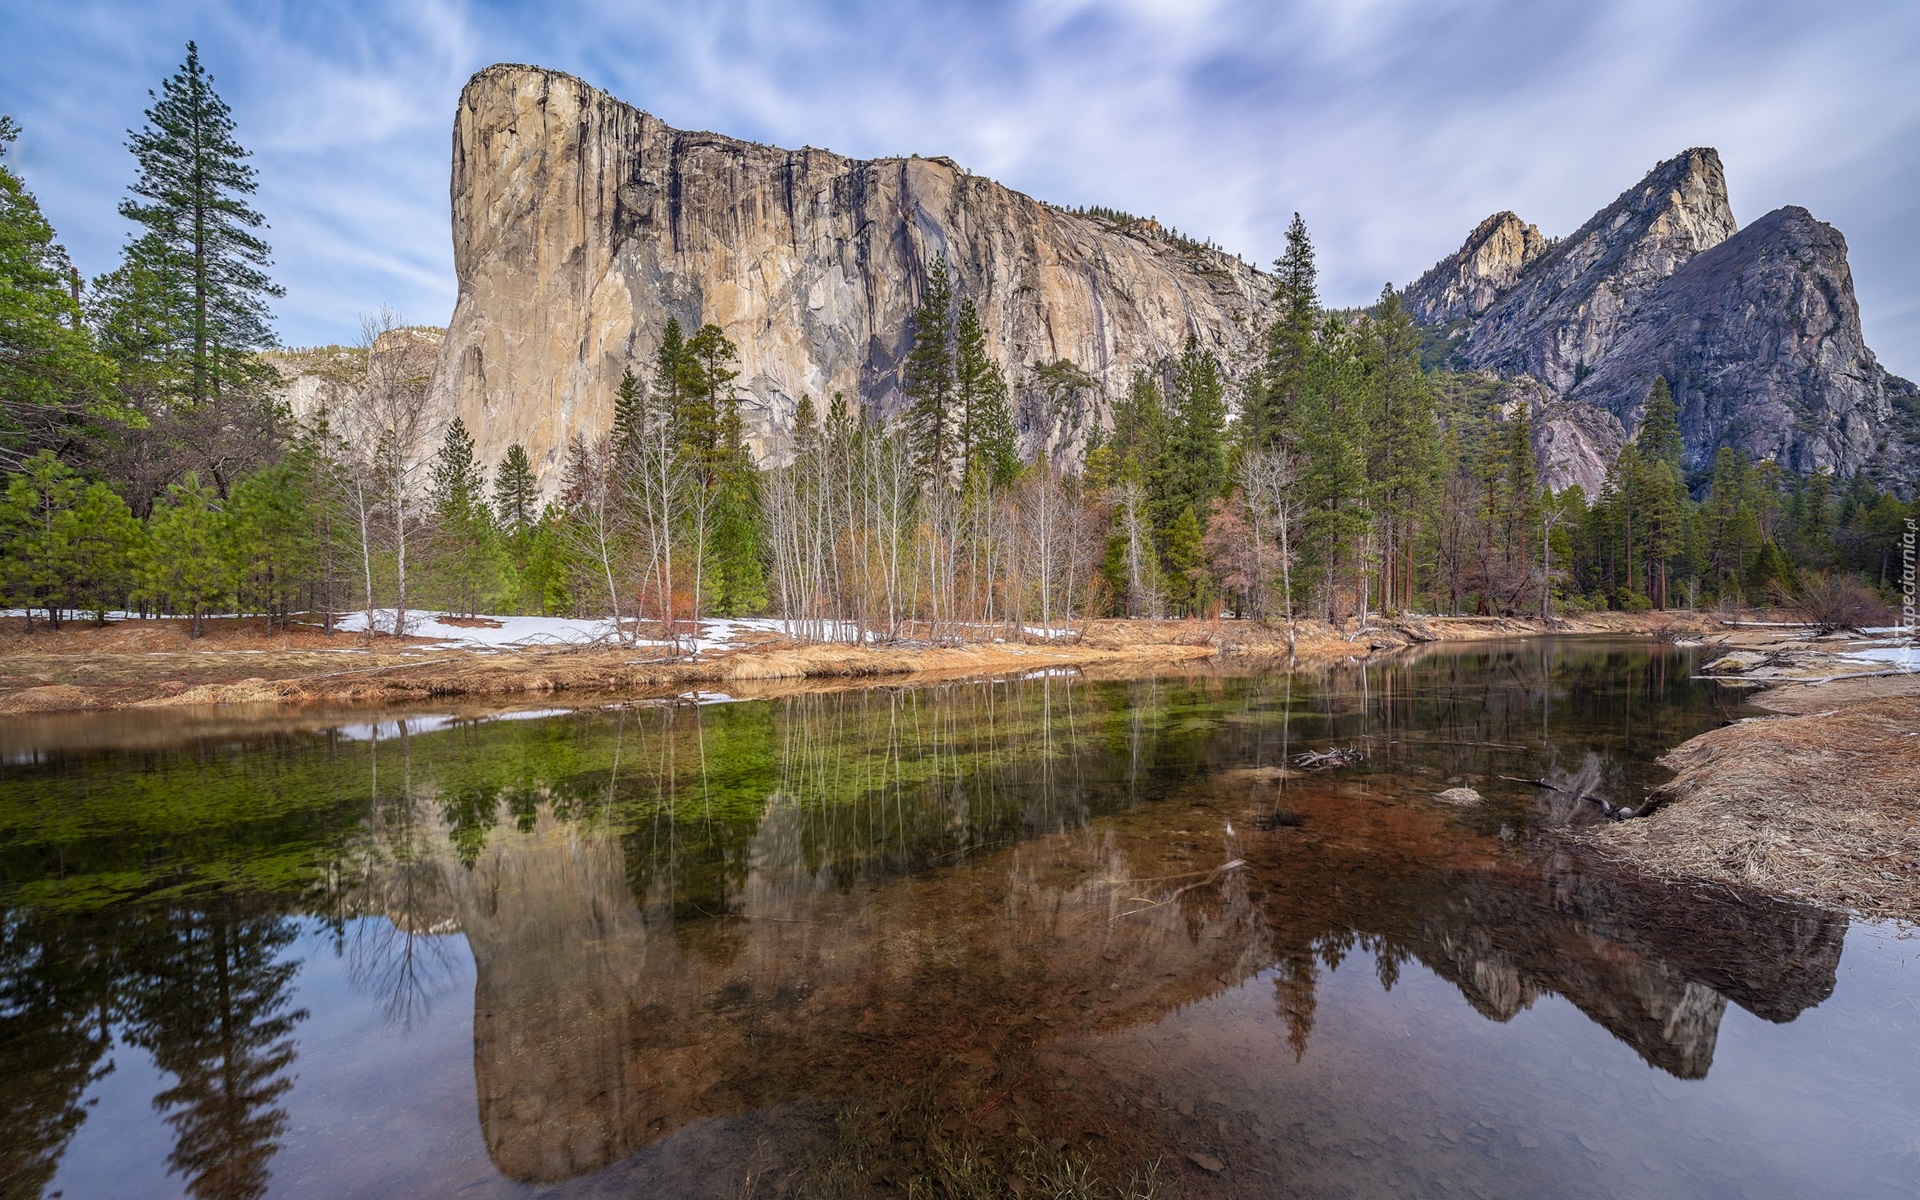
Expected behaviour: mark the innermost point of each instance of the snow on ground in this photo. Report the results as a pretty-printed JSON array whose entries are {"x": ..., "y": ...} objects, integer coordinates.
[
  {"x": 1892, "y": 656},
  {"x": 500, "y": 631}
]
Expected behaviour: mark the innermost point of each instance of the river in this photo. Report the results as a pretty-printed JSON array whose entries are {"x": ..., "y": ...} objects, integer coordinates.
[{"x": 965, "y": 939}]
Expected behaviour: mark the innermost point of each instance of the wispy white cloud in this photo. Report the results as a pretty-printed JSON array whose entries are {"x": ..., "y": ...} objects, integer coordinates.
[{"x": 1392, "y": 125}]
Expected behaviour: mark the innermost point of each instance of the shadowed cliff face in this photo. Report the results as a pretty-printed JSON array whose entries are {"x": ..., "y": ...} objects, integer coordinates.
[
  {"x": 581, "y": 224},
  {"x": 1757, "y": 332},
  {"x": 1760, "y": 340}
]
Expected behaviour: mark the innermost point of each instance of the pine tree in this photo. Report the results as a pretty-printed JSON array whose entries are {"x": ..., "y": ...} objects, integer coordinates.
[
  {"x": 988, "y": 443},
  {"x": 1663, "y": 503},
  {"x": 467, "y": 556},
  {"x": 1659, "y": 435},
  {"x": 1732, "y": 531},
  {"x": 50, "y": 369},
  {"x": 1198, "y": 426},
  {"x": 184, "y": 564},
  {"x": 37, "y": 546},
  {"x": 269, "y": 540},
  {"x": 629, "y": 418},
  {"x": 671, "y": 370},
  {"x": 515, "y": 494},
  {"x": 1403, "y": 451},
  {"x": 1331, "y": 420},
  {"x": 929, "y": 377},
  {"x": 987, "y": 439},
  {"x": 1274, "y": 418},
  {"x": 198, "y": 240},
  {"x": 101, "y": 539},
  {"x": 1186, "y": 563},
  {"x": 712, "y": 407}
]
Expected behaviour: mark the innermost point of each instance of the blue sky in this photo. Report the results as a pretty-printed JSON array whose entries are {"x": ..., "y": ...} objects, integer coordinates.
[{"x": 1393, "y": 125}]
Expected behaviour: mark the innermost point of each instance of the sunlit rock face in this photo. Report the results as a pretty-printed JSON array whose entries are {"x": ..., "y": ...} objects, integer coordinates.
[
  {"x": 1467, "y": 282},
  {"x": 1566, "y": 306},
  {"x": 580, "y": 224},
  {"x": 1757, "y": 332}
]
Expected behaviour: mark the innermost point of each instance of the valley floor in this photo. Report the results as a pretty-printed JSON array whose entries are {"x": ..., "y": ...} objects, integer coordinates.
[{"x": 147, "y": 663}]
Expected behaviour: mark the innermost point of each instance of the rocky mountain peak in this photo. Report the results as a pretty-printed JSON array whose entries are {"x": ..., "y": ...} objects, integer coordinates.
[
  {"x": 1467, "y": 282},
  {"x": 1567, "y": 305},
  {"x": 1757, "y": 332}
]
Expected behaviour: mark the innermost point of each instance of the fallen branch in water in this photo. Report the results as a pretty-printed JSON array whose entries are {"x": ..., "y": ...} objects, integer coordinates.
[
  {"x": 1234, "y": 865},
  {"x": 1613, "y": 811}
]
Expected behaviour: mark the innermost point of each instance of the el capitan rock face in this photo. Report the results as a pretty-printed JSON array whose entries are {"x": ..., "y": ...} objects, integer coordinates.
[
  {"x": 1756, "y": 331},
  {"x": 580, "y": 224}
]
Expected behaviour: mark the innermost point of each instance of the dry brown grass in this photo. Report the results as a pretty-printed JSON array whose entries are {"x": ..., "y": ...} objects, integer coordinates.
[
  {"x": 142, "y": 663},
  {"x": 1822, "y": 808}
]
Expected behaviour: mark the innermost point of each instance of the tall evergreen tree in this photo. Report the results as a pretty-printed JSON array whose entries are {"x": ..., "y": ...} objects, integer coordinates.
[
  {"x": 630, "y": 425},
  {"x": 929, "y": 378},
  {"x": 184, "y": 566},
  {"x": 515, "y": 493},
  {"x": 198, "y": 239},
  {"x": 713, "y": 406},
  {"x": 987, "y": 440},
  {"x": 1332, "y": 431},
  {"x": 1274, "y": 416},
  {"x": 1663, "y": 502},
  {"x": 467, "y": 557},
  {"x": 1659, "y": 435},
  {"x": 1403, "y": 449},
  {"x": 37, "y": 549},
  {"x": 269, "y": 540},
  {"x": 51, "y": 372},
  {"x": 672, "y": 368},
  {"x": 1198, "y": 427}
]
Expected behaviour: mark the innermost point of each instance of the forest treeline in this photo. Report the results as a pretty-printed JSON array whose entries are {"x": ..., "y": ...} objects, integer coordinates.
[{"x": 151, "y": 467}]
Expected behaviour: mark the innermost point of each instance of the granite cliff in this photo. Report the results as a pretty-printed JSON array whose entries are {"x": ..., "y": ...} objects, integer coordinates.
[
  {"x": 1756, "y": 331},
  {"x": 580, "y": 224}
]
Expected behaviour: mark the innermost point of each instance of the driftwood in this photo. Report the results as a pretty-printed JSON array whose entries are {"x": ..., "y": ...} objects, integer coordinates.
[
  {"x": 1615, "y": 812},
  {"x": 1320, "y": 760}
]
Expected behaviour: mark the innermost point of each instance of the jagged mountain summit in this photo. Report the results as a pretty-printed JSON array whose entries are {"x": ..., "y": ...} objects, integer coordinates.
[
  {"x": 1756, "y": 331},
  {"x": 580, "y": 224}
]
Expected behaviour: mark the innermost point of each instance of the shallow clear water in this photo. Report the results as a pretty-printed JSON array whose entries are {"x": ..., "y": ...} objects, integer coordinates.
[{"x": 866, "y": 942}]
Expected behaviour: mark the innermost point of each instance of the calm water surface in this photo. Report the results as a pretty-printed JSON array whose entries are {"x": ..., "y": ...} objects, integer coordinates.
[{"x": 885, "y": 941}]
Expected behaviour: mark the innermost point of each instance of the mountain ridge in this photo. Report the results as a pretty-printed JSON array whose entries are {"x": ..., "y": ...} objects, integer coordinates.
[{"x": 1757, "y": 331}]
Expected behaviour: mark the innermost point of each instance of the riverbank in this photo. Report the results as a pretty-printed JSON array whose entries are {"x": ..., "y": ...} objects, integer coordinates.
[
  {"x": 1818, "y": 803},
  {"x": 134, "y": 663}
]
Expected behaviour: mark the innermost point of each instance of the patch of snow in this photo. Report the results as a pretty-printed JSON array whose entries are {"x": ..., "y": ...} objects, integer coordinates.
[
  {"x": 502, "y": 632},
  {"x": 1897, "y": 656}
]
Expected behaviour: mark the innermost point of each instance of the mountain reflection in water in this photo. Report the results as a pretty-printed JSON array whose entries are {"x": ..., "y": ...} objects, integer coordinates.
[{"x": 769, "y": 911}]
